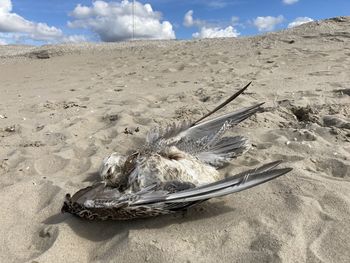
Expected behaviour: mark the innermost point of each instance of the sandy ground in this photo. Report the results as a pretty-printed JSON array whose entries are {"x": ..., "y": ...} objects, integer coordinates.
[{"x": 63, "y": 108}]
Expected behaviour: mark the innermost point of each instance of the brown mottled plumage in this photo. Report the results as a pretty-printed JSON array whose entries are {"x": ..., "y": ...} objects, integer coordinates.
[{"x": 175, "y": 169}]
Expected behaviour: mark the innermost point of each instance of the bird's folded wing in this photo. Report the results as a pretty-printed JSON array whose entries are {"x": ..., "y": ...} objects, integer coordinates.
[{"x": 99, "y": 202}]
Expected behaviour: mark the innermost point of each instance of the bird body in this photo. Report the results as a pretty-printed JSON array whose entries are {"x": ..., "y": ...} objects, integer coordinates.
[
  {"x": 171, "y": 165},
  {"x": 177, "y": 167}
]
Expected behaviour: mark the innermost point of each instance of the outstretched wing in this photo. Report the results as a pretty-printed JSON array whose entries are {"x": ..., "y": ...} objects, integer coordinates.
[
  {"x": 101, "y": 202},
  {"x": 171, "y": 134},
  {"x": 204, "y": 138}
]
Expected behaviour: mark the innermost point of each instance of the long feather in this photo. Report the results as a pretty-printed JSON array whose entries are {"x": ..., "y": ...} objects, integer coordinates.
[{"x": 223, "y": 104}]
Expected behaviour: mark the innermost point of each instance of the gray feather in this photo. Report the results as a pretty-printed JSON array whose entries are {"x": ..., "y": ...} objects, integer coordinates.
[
  {"x": 202, "y": 136},
  {"x": 247, "y": 182},
  {"x": 97, "y": 201},
  {"x": 224, "y": 151}
]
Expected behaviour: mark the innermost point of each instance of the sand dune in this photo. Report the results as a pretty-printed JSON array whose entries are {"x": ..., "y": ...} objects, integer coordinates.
[{"x": 63, "y": 108}]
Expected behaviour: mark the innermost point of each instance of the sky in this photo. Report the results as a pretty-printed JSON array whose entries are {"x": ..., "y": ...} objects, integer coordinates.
[{"x": 38, "y": 22}]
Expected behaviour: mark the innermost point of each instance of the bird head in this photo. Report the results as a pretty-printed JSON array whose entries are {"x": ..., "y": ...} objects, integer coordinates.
[{"x": 111, "y": 170}]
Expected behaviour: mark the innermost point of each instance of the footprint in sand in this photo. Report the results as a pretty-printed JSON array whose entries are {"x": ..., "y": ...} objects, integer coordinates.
[
  {"x": 334, "y": 231},
  {"x": 334, "y": 167},
  {"x": 266, "y": 243},
  {"x": 78, "y": 166},
  {"x": 47, "y": 237},
  {"x": 331, "y": 240},
  {"x": 50, "y": 164},
  {"x": 54, "y": 138},
  {"x": 37, "y": 241},
  {"x": 202, "y": 95}
]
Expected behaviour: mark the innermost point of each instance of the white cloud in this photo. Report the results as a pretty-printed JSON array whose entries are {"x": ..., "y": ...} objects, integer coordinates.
[
  {"x": 13, "y": 23},
  {"x": 290, "y": 2},
  {"x": 189, "y": 21},
  {"x": 209, "y": 31},
  {"x": 113, "y": 21},
  {"x": 267, "y": 23},
  {"x": 299, "y": 21},
  {"x": 2, "y": 42},
  {"x": 5, "y": 6},
  {"x": 214, "y": 32}
]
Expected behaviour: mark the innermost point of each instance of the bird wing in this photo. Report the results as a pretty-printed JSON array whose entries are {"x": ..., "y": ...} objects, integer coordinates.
[
  {"x": 175, "y": 131},
  {"x": 203, "y": 139},
  {"x": 101, "y": 202}
]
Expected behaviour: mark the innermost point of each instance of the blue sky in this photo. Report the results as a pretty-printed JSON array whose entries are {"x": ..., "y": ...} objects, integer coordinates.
[{"x": 54, "y": 21}]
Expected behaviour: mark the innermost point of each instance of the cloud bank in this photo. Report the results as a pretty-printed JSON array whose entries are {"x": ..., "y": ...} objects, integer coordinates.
[
  {"x": 16, "y": 27},
  {"x": 113, "y": 21}
]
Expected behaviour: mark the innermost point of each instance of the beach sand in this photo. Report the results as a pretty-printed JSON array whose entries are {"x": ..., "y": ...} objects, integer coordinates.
[{"x": 64, "y": 108}]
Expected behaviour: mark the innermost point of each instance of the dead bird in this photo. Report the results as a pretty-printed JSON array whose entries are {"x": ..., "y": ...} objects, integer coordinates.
[{"x": 178, "y": 167}]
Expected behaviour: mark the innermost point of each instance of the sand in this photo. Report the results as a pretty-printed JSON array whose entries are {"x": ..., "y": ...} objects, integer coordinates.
[{"x": 63, "y": 108}]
